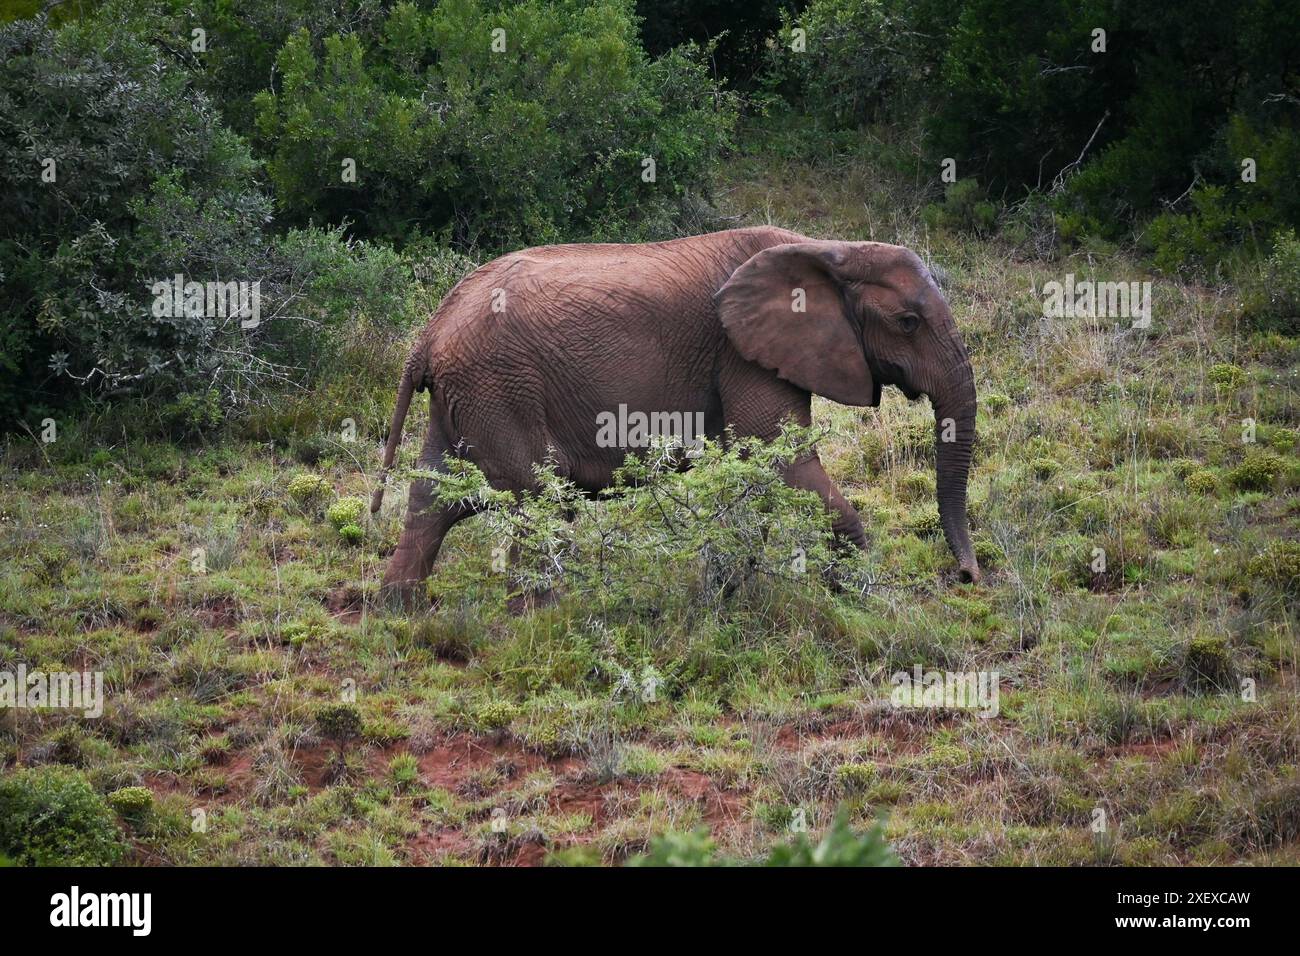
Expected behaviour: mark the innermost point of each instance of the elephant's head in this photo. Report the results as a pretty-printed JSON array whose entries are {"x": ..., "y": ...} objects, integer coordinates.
[{"x": 841, "y": 319}]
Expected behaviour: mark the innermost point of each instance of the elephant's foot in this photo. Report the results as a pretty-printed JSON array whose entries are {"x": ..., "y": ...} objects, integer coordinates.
[{"x": 403, "y": 596}]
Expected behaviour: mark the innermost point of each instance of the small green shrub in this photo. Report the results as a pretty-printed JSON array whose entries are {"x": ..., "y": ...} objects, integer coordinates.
[
  {"x": 307, "y": 489},
  {"x": 338, "y": 722},
  {"x": 352, "y": 534},
  {"x": 1256, "y": 472},
  {"x": 856, "y": 777},
  {"x": 132, "y": 804},
  {"x": 309, "y": 449},
  {"x": 1193, "y": 243},
  {"x": 841, "y": 846},
  {"x": 194, "y": 414},
  {"x": 917, "y": 486},
  {"x": 1278, "y": 563},
  {"x": 1226, "y": 376},
  {"x": 345, "y": 511},
  {"x": 51, "y": 816},
  {"x": 1203, "y": 483},
  {"x": 495, "y": 714},
  {"x": 305, "y": 631},
  {"x": 1044, "y": 468},
  {"x": 1272, "y": 296},
  {"x": 965, "y": 208},
  {"x": 1283, "y": 439},
  {"x": 924, "y": 522},
  {"x": 1207, "y": 664},
  {"x": 649, "y": 537},
  {"x": 995, "y": 402},
  {"x": 679, "y": 849}
]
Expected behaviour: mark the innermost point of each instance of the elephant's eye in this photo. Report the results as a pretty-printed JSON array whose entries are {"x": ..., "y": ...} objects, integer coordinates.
[{"x": 909, "y": 322}]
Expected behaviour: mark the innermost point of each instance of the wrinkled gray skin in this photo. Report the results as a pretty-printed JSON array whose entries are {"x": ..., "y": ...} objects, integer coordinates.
[{"x": 706, "y": 324}]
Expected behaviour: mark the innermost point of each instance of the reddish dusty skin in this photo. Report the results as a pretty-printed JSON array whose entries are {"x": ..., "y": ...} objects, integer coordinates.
[{"x": 524, "y": 354}]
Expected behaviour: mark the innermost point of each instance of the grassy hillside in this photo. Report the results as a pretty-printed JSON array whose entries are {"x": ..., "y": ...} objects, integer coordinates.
[{"x": 1122, "y": 689}]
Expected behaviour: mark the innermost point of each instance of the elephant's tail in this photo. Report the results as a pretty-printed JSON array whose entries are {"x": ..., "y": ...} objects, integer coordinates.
[{"x": 407, "y": 387}]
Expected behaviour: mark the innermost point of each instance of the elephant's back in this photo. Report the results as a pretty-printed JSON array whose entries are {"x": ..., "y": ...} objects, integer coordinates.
[{"x": 667, "y": 283}]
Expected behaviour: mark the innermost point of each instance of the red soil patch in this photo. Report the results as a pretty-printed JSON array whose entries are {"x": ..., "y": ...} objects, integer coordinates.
[
  {"x": 904, "y": 732},
  {"x": 721, "y": 809},
  {"x": 430, "y": 846},
  {"x": 450, "y": 764}
]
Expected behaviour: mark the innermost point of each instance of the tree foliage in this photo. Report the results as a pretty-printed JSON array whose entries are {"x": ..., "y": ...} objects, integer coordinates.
[
  {"x": 118, "y": 174},
  {"x": 1162, "y": 103},
  {"x": 489, "y": 124}
]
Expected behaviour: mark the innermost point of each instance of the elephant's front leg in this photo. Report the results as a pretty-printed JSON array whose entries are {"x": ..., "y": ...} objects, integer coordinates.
[
  {"x": 756, "y": 403},
  {"x": 810, "y": 474},
  {"x": 530, "y": 597}
]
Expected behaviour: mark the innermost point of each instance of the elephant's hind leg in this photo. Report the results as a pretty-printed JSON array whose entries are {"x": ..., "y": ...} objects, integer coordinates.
[{"x": 427, "y": 523}]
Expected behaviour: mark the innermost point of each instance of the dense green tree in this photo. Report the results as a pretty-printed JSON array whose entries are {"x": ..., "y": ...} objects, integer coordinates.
[
  {"x": 1027, "y": 94},
  {"x": 490, "y": 124},
  {"x": 117, "y": 175},
  {"x": 739, "y": 30}
]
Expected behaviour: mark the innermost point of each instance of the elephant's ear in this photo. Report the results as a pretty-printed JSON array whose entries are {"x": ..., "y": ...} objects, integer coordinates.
[{"x": 785, "y": 310}]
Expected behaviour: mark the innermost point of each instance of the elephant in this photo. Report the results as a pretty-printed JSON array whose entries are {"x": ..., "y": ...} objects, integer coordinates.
[{"x": 735, "y": 328}]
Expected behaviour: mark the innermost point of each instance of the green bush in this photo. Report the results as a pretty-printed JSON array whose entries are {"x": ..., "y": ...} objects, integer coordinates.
[
  {"x": 420, "y": 96},
  {"x": 1226, "y": 376},
  {"x": 495, "y": 714},
  {"x": 646, "y": 537},
  {"x": 924, "y": 522},
  {"x": 1257, "y": 472},
  {"x": 1278, "y": 563},
  {"x": 995, "y": 402},
  {"x": 739, "y": 30},
  {"x": 51, "y": 816},
  {"x": 147, "y": 184},
  {"x": 1272, "y": 295},
  {"x": 1199, "y": 238},
  {"x": 841, "y": 846},
  {"x": 1193, "y": 243},
  {"x": 132, "y": 804},
  {"x": 964, "y": 209},
  {"x": 307, "y": 489},
  {"x": 345, "y": 511},
  {"x": 858, "y": 61},
  {"x": 338, "y": 722},
  {"x": 856, "y": 777},
  {"x": 1044, "y": 467},
  {"x": 1015, "y": 92},
  {"x": 193, "y": 414}
]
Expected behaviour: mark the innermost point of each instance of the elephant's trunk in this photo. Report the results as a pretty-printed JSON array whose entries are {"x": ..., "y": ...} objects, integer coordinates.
[{"x": 954, "y": 417}]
